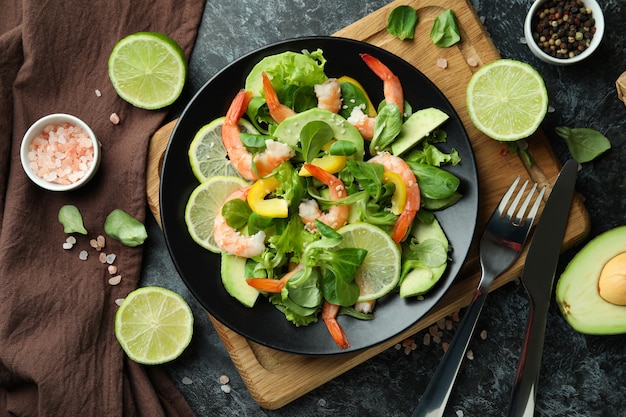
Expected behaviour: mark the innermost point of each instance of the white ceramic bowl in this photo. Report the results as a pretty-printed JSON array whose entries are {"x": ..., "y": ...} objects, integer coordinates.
[
  {"x": 58, "y": 119},
  {"x": 596, "y": 13}
]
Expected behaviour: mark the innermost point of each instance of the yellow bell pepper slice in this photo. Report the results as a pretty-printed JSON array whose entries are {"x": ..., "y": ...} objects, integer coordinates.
[
  {"x": 398, "y": 199},
  {"x": 271, "y": 207},
  {"x": 329, "y": 163}
]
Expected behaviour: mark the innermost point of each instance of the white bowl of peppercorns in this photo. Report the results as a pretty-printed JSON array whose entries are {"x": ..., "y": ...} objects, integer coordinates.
[{"x": 564, "y": 32}]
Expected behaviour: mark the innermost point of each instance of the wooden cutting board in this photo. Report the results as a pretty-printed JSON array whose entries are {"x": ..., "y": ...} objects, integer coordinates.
[{"x": 276, "y": 378}]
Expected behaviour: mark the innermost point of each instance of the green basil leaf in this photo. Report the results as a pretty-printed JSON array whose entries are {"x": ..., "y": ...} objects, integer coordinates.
[
  {"x": 445, "y": 31},
  {"x": 313, "y": 136},
  {"x": 434, "y": 183},
  {"x": 236, "y": 213},
  {"x": 342, "y": 148},
  {"x": 125, "y": 228},
  {"x": 402, "y": 21},
  {"x": 387, "y": 128},
  {"x": 254, "y": 142},
  {"x": 352, "y": 96},
  {"x": 72, "y": 220},
  {"x": 583, "y": 143}
]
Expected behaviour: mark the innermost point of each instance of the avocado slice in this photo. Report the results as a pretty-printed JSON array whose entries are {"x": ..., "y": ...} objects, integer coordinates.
[
  {"x": 233, "y": 273},
  {"x": 422, "y": 278},
  {"x": 417, "y": 127},
  {"x": 288, "y": 131},
  {"x": 577, "y": 288}
]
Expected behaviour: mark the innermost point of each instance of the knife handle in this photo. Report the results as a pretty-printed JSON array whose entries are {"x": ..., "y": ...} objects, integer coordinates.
[
  {"x": 434, "y": 400},
  {"x": 522, "y": 402}
]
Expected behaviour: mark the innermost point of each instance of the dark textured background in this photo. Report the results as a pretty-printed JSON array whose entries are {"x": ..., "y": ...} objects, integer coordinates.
[{"x": 581, "y": 375}]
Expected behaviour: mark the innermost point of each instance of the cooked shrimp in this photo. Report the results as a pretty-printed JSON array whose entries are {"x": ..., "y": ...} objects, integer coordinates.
[
  {"x": 309, "y": 211},
  {"x": 399, "y": 166},
  {"x": 364, "y": 123},
  {"x": 273, "y": 285},
  {"x": 392, "y": 89},
  {"x": 265, "y": 162},
  {"x": 278, "y": 111},
  {"x": 365, "y": 307},
  {"x": 230, "y": 240},
  {"x": 329, "y": 95},
  {"x": 329, "y": 315}
]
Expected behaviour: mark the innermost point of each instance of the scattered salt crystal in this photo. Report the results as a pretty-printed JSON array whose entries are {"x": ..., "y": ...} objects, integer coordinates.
[
  {"x": 112, "y": 269},
  {"x": 441, "y": 323},
  {"x": 551, "y": 109},
  {"x": 442, "y": 63},
  {"x": 67, "y": 245},
  {"x": 110, "y": 258},
  {"x": 522, "y": 40},
  {"x": 115, "y": 280},
  {"x": 397, "y": 346},
  {"x": 427, "y": 339},
  {"x": 470, "y": 354},
  {"x": 187, "y": 381},
  {"x": 459, "y": 413},
  {"x": 94, "y": 244},
  {"x": 224, "y": 379},
  {"x": 448, "y": 324},
  {"x": 472, "y": 62},
  {"x": 83, "y": 255},
  {"x": 225, "y": 388},
  {"x": 102, "y": 257},
  {"x": 101, "y": 241},
  {"x": 483, "y": 335},
  {"x": 437, "y": 339},
  {"x": 455, "y": 317},
  {"x": 119, "y": 301},
  {"x": 98, "y": 93},
  {"x": 71, "y": 239},
  {"x": 445, "y": 346},
  {"x": 321, "y": 402},
  {"x": 114, "y": 118}
]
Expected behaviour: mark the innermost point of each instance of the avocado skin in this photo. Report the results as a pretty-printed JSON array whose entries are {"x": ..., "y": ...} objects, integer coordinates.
[{"x": 577, "y": 288}]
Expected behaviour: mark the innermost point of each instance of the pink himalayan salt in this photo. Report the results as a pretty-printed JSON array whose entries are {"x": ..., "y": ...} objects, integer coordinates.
[{"x": 61, "y": 154}]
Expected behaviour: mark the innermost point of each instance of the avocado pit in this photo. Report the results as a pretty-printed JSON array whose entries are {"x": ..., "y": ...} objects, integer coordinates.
[{"x": 612, "y": 280}]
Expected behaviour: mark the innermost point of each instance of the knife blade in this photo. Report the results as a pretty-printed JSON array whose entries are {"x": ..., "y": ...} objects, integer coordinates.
[{"x": 538, "y": 278}]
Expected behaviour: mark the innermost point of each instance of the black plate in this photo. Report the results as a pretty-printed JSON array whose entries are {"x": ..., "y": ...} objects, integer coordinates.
[{"x": 200, "y": 268}]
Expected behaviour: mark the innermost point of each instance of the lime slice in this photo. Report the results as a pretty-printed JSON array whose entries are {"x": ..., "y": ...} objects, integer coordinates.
[
  {"x": 204, "y": 202},
  {"x": 507, "y": 100},
  {"x": 207, "y": 154},
  {"x": 148, "y": 70},
  {"x": 153, "y": 325},
  {"x": 380, "y": 271}
]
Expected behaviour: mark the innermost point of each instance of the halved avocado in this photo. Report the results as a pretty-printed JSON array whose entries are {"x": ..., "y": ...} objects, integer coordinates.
[
  {"x": 577, "y": 289},
  {"x": 417, "y": 127},
  {"x": 422, "y": 278},
  {"x": 234, "y": 279},
  {"x": 288, "y": 131}
]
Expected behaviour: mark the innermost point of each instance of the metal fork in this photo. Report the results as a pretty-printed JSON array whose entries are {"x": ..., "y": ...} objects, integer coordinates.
[{"x": 501, "y": 243}]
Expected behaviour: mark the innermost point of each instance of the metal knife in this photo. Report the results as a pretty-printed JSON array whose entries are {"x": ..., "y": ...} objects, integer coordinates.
[{"x": 538, "y": 279}]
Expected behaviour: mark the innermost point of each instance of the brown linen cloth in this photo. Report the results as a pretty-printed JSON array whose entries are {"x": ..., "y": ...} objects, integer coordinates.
[{"x": 58, "y": 352}]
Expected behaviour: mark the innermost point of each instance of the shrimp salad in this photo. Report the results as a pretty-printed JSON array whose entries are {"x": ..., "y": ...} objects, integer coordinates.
[{"x": 326, "y": 157}]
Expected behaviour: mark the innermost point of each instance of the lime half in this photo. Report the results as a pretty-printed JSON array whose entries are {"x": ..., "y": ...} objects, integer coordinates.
[
  {"x": 153, "y": 325},
  {"x": 207, "y": 154},
  {"x": 148, "y": 70},
  {"x": 380, "y": 271},
  {"x": 507, "y": 100},
  {"x": 202, "y": 207}
]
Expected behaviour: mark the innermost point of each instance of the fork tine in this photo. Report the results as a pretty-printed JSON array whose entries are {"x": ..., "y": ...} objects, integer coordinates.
[
  {"x": 518, "y": 197},
  {"x": 535, "y": 208},
  {"x": 519, "y": 217},
  {"x": 507, "y": 196}
]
